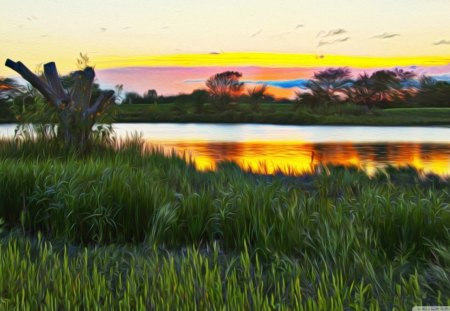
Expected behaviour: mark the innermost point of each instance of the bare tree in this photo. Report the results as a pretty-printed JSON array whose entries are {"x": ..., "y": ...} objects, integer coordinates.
[{"x": 76, "y": 112}]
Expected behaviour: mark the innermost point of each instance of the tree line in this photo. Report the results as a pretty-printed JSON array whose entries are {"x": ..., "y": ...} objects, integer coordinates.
[{"x": 381, "y": 89}]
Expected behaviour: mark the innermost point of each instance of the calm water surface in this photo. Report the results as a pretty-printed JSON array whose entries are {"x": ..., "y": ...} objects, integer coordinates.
[{"x": 297, "y": 149}]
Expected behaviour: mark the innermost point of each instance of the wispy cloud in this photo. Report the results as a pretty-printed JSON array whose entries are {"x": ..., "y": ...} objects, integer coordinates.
[
  {"x": 386, "y": 35},
  {"x": 253, "y": 35},
  {"x": 299, "y": 26},
  {"x": 322, "y": 42},
  {"x": 284, "y": 84},
  {"x": 331, "y": 33},
  {"x": 442, "y": 42},
  {"x": 103, "y": 29}
]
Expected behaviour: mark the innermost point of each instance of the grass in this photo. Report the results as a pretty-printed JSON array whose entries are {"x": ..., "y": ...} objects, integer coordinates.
[
  {"x": 273, "y": 113},
  {"x": 132, "y": 228},
  {"x": 283, "y": 113}
]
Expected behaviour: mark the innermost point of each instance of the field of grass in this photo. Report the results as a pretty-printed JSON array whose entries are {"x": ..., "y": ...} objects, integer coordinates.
[{"x": 132, "y": 228}]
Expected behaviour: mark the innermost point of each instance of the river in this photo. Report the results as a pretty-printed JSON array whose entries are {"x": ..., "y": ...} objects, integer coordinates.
[{"x": 296, "y": 149}]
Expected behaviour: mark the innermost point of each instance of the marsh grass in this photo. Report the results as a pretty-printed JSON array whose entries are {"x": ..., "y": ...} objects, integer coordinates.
[{"x": 127, "y": 226}]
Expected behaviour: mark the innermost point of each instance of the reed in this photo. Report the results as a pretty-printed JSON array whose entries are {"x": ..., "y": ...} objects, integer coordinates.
[{"x": 127, "y": 226}]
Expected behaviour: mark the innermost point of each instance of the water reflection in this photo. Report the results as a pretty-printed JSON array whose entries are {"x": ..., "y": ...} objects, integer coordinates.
[
  {"x": 300, "y": 157},
  {"x": 296, "y": 149}
]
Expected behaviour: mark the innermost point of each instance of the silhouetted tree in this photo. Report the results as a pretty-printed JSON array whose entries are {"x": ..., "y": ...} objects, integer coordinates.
[
  {"x": 330, "y": 85},
  {"x": 363, "y": 91},
  {"x": 256, "y": 95},
  {"x": 224, "y": 87},
  {"x": 385, "y": 84},
  {"x": 151, "y": 95},
  {"x": 432, "y": 93},
  {"x": 381, "y": 87}
]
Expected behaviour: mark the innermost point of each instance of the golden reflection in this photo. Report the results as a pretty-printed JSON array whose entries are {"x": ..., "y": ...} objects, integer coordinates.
[{"x": 295, "y": 158}]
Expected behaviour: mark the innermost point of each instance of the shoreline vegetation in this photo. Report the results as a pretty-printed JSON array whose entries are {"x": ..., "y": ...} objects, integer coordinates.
[
  {"x": 279, "y": 114},
  {"x": 282, "y": 114},
  {"x": 126, "y": 226},
  {"x": 333, "y": 96}
]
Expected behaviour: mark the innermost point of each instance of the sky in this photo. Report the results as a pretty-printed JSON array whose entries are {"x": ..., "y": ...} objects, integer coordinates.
[{"x": 216, "y": 33}]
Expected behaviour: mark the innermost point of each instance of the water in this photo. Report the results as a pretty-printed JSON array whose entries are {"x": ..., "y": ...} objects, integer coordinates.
[{"x": 297, "y": 149}]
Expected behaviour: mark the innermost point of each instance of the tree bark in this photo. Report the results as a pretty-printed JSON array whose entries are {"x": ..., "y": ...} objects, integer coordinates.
[{"x": 76, "y": 114}]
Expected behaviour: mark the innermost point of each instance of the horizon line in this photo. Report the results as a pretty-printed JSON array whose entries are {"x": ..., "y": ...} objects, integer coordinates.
[{"x": 267, "y": 59}]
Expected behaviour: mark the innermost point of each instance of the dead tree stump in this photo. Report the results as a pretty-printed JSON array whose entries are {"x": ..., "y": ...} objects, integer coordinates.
[{"x": 77, "y": 114}]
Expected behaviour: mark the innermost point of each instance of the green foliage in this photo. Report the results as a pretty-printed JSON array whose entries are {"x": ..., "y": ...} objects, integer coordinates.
[
  {"x": 432, "y": 93},
  {"x": 336, "y": 239}
]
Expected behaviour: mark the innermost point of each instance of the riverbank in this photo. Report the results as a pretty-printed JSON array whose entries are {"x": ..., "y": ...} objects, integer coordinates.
[
  {"x": 280, "y": 113},
  {"x": 285, "y": 114},
  {"x": 134, "y": 227}
]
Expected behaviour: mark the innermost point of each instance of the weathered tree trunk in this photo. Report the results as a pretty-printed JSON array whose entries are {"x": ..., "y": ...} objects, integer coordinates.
[{"x": 76, "y": 113}]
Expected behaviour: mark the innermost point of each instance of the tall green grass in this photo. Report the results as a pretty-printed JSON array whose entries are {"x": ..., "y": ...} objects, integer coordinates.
[
  {"x": 38, "y": 274},
  {"x": 206, "y": 240}
]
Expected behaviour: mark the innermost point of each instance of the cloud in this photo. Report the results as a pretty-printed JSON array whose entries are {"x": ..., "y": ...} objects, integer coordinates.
[
  {"x": 256, "y": 33},
  {"x": 386, "y": 35},
  {"x": 442, "y": 42},
  {"x": 331, "y": 33},
  {"x": 194, "y": 81},
  {"x": 443, "y": 77},
  {"x": 322, "y": 43},
  {"x": 342, "y": 39},
  {"x": 299, "y": 26},
  {"x": 103, "y": 29},
  {"x": 284, "y": 84}
]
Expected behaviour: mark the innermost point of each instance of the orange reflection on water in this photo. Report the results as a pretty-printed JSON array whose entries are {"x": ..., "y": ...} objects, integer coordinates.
[{"x": 292, "y": 157}]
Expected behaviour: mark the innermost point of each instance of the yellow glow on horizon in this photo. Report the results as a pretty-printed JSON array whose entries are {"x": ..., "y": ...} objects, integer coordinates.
[{"x": 267, "y": 60}]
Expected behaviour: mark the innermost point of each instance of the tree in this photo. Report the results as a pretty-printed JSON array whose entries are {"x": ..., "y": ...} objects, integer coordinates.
[
  {"x": 199, "y": 97},
  {"x": 133, "y": 98},
  {"x": 76, "y": 112},
  {"x": 382, "y": 86},
  {"x": 224, "y": 87},
  {"x": 151, "y": 95},
  {"x": 256, "y": 95},
  {"x": 385, "y": 84},
  {"x": 362, "y": 91},
  {"x": 330, "y": 85},
  {"x": 432, "y": 93}
]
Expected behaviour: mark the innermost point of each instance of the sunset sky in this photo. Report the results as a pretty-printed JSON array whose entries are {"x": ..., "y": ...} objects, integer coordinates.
[{"x": 138, "y": 36}]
